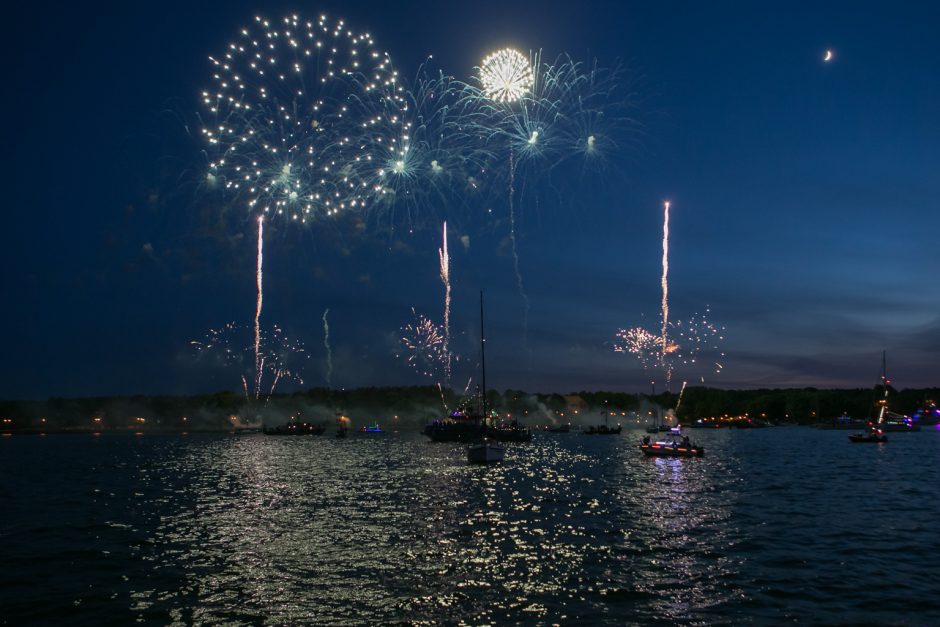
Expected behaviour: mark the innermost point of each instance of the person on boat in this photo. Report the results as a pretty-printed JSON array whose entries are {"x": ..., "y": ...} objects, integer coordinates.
[
  {"x": 646, "y": 440},
  {"x": 685, "y": 442}
]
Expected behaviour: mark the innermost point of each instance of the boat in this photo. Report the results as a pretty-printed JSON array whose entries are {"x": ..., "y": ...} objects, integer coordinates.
[
  {"x": 603, "y": 429},
  {"x": 509, "y": 432},
  {"x": 460, "y": 426},
  {"x": 373, "y": 428},
  {"x": 564, "y": 428},
  {"x": 295, "y": 428},
  {"x": 873, "y": 436},
  {"x": 673, "y": 447},
  {"x": 485, "y": 450},
  {"x": 875, "y": 433}
]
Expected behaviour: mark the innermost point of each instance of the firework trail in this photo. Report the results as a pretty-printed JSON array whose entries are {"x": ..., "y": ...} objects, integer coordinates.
[
  {"x": 665, "y": 286},
  {"x": 445, "y": 278},
  {"x": 679, "y": 402},
  {"x": 515, "y": 252},
  {"x": 329, "y": 351},
  {"x": 258, "y": 277}
]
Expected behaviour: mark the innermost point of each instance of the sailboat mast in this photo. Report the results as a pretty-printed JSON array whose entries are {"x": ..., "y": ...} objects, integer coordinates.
[
  {"x": 884, "y": 382},
  {"x": 483, "y": 356}
]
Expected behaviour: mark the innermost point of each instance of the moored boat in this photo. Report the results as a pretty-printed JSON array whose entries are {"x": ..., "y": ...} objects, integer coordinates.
[
  {"x": 874, "y": 436},
  {"x": 485, "y": 451}
]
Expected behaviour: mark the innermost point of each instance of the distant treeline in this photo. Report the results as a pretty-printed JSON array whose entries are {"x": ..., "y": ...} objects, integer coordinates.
[{"x": 413, "y": 406}]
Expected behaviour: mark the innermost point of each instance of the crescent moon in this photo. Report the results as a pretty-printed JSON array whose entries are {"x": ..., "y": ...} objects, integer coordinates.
[{"x": 828, "y": 56}]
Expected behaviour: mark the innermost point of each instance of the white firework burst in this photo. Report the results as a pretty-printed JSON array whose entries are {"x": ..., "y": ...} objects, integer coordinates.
[{"x": 506, "y": 75}]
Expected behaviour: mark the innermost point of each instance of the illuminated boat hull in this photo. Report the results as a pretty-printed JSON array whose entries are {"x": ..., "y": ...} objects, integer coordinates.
[{"x": 659, "y": 449}]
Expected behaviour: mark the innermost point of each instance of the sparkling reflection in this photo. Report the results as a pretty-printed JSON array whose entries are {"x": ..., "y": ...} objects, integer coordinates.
[{"x": 251, "y": 529}]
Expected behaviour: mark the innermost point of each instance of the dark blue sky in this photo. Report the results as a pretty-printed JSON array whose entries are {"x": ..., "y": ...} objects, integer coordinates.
[{"x": 804, "y": 202}]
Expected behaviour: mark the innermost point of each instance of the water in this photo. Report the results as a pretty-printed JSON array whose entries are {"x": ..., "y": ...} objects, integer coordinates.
[{"x": 774, "y": 525}]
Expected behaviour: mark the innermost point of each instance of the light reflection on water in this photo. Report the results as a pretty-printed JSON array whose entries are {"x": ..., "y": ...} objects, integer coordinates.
[{"x": 778, "y": 524}]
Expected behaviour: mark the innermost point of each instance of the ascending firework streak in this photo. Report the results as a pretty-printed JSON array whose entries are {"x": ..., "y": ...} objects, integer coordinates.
[
  {"x": 665, "y": 284},
  {"x": 445, "y": 278},
  {"x": 679, "y": 402},
  {"x": 515, "y": 251},
  {"x": 329, "y": 351},
  {"x": 258, "y": 362},
  {"x": 693, "y": 336}
]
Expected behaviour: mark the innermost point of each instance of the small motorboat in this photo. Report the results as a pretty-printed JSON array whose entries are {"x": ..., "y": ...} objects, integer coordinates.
[
  {"x": 485, "y": 451},
  {"x": 562, "y": 428},
  {"x": 874, "y": 436},
  {"x": 673, "y": 448},
  {"x": 373, "y": 428}
]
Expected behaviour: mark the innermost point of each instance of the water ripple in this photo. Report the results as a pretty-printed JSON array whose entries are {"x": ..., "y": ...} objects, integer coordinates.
[{"x": 774, "y": 525}]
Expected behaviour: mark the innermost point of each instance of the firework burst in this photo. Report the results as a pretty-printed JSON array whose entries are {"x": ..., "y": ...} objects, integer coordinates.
[
  {"x": 422, "y": 344},
  {"x": 293, "y": 109},
  {"x": 692, "y": 345},
  {"x": 281, "y": 358},
  {"x": 506, "y": 75}
]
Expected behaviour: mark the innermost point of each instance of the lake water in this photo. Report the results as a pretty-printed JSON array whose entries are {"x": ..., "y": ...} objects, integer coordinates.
[{"x": 773, "y": 525}]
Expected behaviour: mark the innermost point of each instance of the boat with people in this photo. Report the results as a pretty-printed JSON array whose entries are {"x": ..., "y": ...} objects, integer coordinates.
[
  {"x": 875, "y": 434},
  {"x": 677, "y": 446},
  {"x": 373, "y": 428}
]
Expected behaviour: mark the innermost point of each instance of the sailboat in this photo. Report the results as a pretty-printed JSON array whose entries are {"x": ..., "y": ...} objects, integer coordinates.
[
  {"x": 486, "y": 449},
  {"x": 875, "y": 433}
]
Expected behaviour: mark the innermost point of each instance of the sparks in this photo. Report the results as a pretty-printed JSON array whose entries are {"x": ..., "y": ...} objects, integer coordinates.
[{"x": 506, "y": 75}]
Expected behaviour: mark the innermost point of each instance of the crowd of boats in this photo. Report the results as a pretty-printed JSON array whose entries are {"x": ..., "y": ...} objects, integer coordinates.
[{"x": 485, "y": 434}]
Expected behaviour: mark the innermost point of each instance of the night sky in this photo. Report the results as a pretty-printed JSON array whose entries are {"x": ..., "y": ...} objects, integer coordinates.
[{"x": 804, "y": 203}]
